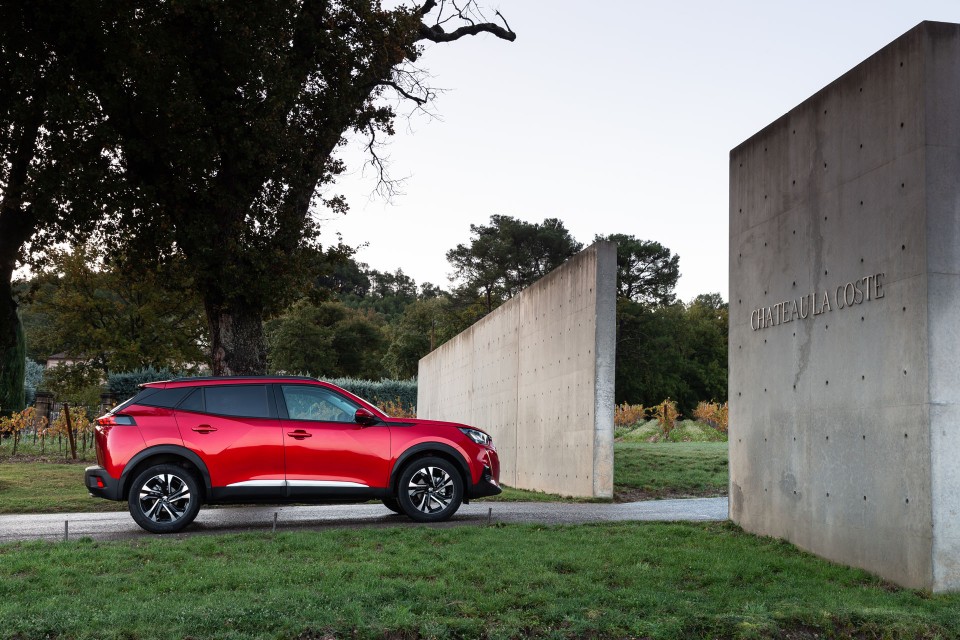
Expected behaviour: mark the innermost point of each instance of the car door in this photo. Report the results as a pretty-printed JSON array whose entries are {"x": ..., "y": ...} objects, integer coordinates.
[
  {"x": 327, "y": 452},
  {"x": 235, "y": 431}
]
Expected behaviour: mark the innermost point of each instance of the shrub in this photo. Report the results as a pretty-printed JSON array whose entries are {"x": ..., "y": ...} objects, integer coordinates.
[
  {"x": 401, "y": 392},
  {"x": 396, "y": 409},
  {"x": 127, "y": 384},
  {"x": 16, "y": 424},
  {"x": 627, "y": 415},
  {"x": 713, "y": 414},
  {"x": 79, "y": 425},
  {"x": 666, "y": 415},
  {"x": 32, "y": 379}
]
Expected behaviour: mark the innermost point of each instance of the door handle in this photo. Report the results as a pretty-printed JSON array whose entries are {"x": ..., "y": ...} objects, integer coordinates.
[
  {"x": 203, "y": 428},
  {"x": 299, "y": 434}
]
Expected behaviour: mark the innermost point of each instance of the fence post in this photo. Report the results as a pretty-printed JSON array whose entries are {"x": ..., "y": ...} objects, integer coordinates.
[
  {"x": 107, "y": 401},
  {"x": 42, "y": 401}
]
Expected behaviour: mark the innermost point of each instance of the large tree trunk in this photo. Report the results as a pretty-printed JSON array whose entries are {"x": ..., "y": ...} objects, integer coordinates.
[{"x": 237, "y": 343}]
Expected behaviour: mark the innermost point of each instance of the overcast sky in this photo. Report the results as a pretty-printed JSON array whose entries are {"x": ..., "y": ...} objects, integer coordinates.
[{"x": 616, "y": 120}]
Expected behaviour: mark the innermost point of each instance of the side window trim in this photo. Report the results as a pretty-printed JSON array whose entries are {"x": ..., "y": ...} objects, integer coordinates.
[{"x": 280, "y": 402}]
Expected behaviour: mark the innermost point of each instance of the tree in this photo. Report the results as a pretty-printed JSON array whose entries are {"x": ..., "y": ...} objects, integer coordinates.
[
  {"x": 507, "y": 256},
  {"x": 706, "y": 356},
  {"x": 116, "y": 318},
  {"x": 647, "y": 271},
  {"x": 425, "y": 325},
  {"x": 327, "y": 339},
  {"x": 228, "y": 116},
  {"x": 54, "y": 163},
  {"x": 672, "y": 351}
]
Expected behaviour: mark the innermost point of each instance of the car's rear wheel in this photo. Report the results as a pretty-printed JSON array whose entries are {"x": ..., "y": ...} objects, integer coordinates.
[
  {"x": 164, "y": 498},
  {"x": 430, "y": 489},
  {"x": 393, "y": 504}
]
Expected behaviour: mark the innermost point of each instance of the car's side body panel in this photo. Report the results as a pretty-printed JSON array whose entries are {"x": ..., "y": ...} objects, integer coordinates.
[{"x": 238, "y": 452}]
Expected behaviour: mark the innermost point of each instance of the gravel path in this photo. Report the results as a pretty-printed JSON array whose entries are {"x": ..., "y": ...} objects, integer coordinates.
[{"x": 119, "y": 525}]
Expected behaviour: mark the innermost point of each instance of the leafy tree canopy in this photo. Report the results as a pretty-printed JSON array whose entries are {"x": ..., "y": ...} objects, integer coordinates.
[
  {"x": 327, "y": 339},
  {"x": 508, "y": 255},
  {"x": 425, "y": 325},
  {"x": 113, "y": 317},
  {"x": 646, "y": 270},
  {"x": 672, "y": 351},
  {"x": 225, "y": 116}
]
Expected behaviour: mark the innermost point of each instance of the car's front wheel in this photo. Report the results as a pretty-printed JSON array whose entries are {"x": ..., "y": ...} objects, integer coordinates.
[
  {"x": 430, "y": 490},
  {"x": 164, "y": 498}
]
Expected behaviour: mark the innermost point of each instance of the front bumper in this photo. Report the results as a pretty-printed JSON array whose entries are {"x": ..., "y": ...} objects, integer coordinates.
[
  {"x": 100, "y": 484},
  {"x": 486, "y": 487}
]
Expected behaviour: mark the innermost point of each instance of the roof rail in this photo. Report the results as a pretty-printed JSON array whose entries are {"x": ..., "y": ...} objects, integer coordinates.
[{"x": 188, "y": 379}]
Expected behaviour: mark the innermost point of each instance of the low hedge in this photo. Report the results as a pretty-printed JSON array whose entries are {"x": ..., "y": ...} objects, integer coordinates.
[
  {"x": 402, "y": 391},
  {"x": 127, "y": 384}
]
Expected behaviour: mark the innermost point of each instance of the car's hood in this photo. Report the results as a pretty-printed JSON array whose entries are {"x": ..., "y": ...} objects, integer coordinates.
[{"x": 428, "y": 423}]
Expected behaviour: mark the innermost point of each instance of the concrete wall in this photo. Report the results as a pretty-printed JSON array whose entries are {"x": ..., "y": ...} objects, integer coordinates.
[
  {"x": 538, "y": 374},
  {"x": 845, "y": 417}
]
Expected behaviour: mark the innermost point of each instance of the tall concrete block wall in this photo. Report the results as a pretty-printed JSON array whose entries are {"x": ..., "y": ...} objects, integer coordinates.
[
  {"x": 538, "y": 374},
  {"x": 845, "y": 317}
]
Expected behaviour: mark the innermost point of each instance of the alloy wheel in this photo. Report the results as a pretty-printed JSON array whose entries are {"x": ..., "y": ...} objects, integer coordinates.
[
  {"x": 164, "y": 498},
  {"x": 431, "y": 489}
]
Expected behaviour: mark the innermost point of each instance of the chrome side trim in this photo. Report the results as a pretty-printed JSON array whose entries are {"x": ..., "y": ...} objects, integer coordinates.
[
  {"x": 326, "y": 483},
  {"x": 299, "y": 483},
  {"x": 259, "y": 483}
]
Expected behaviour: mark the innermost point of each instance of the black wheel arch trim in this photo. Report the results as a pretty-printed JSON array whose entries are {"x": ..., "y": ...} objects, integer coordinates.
[
  {"x": 426, "y": 447},
  {"x": 164, "y": 449}
]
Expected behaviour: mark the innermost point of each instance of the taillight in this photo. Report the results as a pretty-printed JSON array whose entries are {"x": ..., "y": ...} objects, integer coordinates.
[{"x": 116, "y": 420}]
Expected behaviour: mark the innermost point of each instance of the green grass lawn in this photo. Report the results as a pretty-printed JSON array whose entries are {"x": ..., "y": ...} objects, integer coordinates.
[
  {"x": 514, "y": 581},
  {"x": 645, "y": 470},
  {"x": 39, "y": 487}
]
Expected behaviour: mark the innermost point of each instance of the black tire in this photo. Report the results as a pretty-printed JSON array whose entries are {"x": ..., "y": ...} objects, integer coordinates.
[
  {"x": 393, "y": 504},
  {"x": 164, "y": 498},
  {"x": 430, "y": 489}
]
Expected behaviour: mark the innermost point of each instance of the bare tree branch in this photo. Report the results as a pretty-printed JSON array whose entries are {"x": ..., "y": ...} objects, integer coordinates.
[
  {"x": 464, "y": 12},
  {"x": 387, "y": 187},
  {"x": 409, "y": 96}
]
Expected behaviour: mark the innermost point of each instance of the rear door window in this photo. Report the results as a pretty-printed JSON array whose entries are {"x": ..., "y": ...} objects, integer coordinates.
[
  {"x": 193, "y": 402},
  {"x": 248, "y": 400}
]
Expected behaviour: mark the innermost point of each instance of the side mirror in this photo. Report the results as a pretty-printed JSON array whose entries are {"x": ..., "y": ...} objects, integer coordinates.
[{"x": 365, "y": 418}]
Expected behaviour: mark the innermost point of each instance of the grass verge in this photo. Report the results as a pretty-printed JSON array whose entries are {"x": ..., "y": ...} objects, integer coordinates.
[
  {"x": 659, "y": 581},
  {"x": 647, "y": 471},
  {"x": 38, "y": 487}
]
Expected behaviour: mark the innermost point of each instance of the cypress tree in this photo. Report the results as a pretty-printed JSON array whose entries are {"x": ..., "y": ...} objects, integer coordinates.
[{"x": 12, "y": 369}]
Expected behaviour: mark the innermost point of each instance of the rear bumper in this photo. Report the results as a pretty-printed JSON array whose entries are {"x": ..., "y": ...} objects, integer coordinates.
[{"x": 100, "y": 484}]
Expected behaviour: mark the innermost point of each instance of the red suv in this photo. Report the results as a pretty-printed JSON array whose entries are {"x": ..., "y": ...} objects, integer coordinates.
[{"x": 184, "y": 442}]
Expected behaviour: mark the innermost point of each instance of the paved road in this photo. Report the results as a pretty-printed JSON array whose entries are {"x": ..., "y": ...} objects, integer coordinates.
[{"x": 119, "y": 525}]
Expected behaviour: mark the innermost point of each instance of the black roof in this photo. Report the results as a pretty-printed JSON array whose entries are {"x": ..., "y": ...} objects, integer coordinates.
[{"x": 190, "y": 379}]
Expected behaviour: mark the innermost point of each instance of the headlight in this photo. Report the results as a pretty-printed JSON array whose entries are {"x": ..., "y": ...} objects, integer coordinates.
[{"x": 477, "y": 436}]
